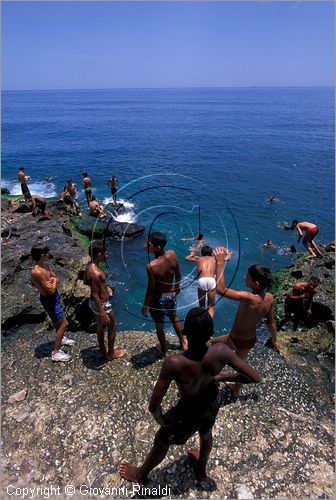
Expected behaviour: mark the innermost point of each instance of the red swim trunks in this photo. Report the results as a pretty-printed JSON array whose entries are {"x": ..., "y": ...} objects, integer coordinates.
[
  {"x": 242, "y": 344},
  {"x": 310, "y": 234}
]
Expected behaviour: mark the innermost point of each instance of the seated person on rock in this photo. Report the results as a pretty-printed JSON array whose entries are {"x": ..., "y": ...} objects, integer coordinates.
[
  {"x": 95, "y": 210},
  {"x": 298, "y": 303},
  {"x": 37, "y": 204},
  {"x": 194, "y": 372},
  {"x": 254, "y": 306}
]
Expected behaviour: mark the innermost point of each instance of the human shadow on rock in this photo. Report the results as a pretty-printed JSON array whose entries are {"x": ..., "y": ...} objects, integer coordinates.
[
  {"x": 92, "y": 358},
  {"x": 145, "y": 358},
  {"x": 44, "y": 350},
  {"x": 163, "y": 476}
]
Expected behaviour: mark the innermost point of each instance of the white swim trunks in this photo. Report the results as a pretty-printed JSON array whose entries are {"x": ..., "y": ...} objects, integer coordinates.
[
  {"x": 207, "y": 284},
  {"x": 106, "y": 306}
]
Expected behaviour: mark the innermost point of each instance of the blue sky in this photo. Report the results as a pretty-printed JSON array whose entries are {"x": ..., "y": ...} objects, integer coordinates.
[{"x": 84, "y": 45}]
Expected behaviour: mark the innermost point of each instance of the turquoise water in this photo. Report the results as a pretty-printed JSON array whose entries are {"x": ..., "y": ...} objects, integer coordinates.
[{"x": 176, "y": 151}]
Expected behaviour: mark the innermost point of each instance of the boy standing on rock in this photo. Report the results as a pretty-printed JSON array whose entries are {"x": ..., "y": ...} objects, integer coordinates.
[
  {"x": 87, "y": 184},
  {"x": 99, "y": 302},
  {"x": 194, "y": 372},
  {"x": 254, "y": 306},
  {"x": 163, "y": 286},
  {"x": 206, "y": 266},
  {"x": 46, "y": 281},
  {"x": 22, "y": 178}
]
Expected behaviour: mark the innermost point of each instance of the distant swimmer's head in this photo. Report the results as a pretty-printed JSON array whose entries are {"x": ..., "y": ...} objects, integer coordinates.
[
  {"x": 199, "y": 236},
  {"x": 21, "y": 169},
  {"x": 84, "y": 174},
  {"x": 39, "y": 250},
  {"x": 258, "y": 277},
  {"x": 206, "y": 251},
  {"x": 294, "y": 223},
  {"x": 198, "y": 328},
  {"x": 156, "y": 242},
  {"x": 97, "y": 249},
  {"x": 269, "y": 243},
  {"x": 292, "y": 249},
  {"x": 69, "y": 180},
  {"x": 93, "y": 198}
]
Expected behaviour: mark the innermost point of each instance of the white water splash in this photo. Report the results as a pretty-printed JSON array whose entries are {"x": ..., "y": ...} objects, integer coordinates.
[{"x": 44, "y": 188}]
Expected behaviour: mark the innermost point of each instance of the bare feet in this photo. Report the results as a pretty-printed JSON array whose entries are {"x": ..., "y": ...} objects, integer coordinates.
[
  {"x": 159, "y": 348},
  {"x": 117, "y": 353},
  {"x": 130, "y": 472},
  {"x": 193, "y": 454}
]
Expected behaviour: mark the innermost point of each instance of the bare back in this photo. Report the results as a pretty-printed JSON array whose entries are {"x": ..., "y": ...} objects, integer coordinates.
[
  {"x": 87, "y": 182},
  {"x": 306, "y": 225},
  {"x": 250, "y": 313},
  {"x": 164, "y": 269},
  {"x": 206, "y": 266},
  {"x": 96, "y": 280}
]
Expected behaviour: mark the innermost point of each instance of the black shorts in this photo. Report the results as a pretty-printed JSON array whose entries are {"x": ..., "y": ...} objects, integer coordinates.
[
  {"x": 163, "y": 306},
  {"x": 25, "y": 189},
  {"x": 192, "y": 415},
  {"x": 295, "y": 306}
]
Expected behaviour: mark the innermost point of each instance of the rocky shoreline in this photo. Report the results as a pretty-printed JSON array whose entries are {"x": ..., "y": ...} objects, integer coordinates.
[{"x": 72, "y": 423}]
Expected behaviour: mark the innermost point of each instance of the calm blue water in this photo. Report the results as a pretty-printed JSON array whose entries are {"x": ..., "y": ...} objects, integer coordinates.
[{"x": 175, "y": 150}]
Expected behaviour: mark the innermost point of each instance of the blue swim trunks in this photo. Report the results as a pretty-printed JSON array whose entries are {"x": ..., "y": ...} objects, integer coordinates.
[
  {"x": 52, "y": 305},
  {"x": 163, "y": 306}
]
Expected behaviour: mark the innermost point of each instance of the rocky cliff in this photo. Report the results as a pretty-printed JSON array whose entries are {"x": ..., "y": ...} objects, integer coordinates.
[{"x": 71, "y": 424}]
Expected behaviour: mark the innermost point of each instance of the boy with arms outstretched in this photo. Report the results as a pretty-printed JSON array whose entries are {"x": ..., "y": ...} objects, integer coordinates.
[{"x": 254, "y": 306}]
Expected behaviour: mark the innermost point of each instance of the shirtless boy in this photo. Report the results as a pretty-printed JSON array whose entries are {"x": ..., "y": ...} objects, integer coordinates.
[
  {"x": 299, "y": 302},
  {"x": 37, "y": 204},
  {"x": 99, "y": 302},
  {"x": 254, "y": 306},
  {"x": 45, "y": 280},
  {"x": 72, "y": 190},
  {"x": 87, "y": 184},
  {"x": 113, "y": 183},
  {"x": 194, "y": 372},
  {"x": 95, "y": 209},
  {"x": 162, "y": 290},
  {"x": 22, "y": 178},
  {"x": 310, "y": 230},
  {"x": 206, "y": 266}
]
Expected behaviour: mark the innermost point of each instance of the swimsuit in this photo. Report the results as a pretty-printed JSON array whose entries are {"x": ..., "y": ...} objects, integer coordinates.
[
  {"x": 52, "y": 305},
  {"x": 207, "y": 284},
  {"x": 242, "y": 344},
  {"x": 162, "y": 306},
  {"x": 310, "y": 234},
  {"x": 25, "y": 189},
  {"x": 106, "y": 306},
  {"x": 191, "y": 414}
]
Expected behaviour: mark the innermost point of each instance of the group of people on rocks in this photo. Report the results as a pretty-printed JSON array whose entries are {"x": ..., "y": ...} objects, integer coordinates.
[
  {"x": 197, "y": 370},
  {"x": 69, "y": 195}
]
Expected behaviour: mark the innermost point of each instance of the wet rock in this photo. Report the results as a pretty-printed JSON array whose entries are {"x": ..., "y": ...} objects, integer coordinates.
[
  {"x": 94, "y": 228},
  {"x": 18, "y": 396},
  {"x": 5, "y": 190}
]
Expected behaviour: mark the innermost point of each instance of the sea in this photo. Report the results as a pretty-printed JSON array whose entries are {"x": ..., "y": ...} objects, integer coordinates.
[{"x": 187, "y": 160}]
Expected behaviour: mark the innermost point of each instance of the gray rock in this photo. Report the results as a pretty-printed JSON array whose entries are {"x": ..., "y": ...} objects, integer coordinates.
[{"x": 18, "y": 396}]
